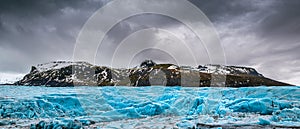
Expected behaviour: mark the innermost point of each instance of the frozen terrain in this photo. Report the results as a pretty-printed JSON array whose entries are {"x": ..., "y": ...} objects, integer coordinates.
[{"x": 149, "y": 107}]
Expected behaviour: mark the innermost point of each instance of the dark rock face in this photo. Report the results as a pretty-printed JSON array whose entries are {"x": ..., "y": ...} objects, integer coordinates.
[
  {"x": 68, "y": 75},
  {"x": 147, "y": 64},
  {"x": 33, "y": 69},
  {"x": 141, "y": 76},
  {"x": 63, "y": 73}
]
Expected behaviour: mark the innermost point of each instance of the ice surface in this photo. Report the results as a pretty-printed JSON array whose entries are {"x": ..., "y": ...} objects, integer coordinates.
[{"x": 152, "y": 107}]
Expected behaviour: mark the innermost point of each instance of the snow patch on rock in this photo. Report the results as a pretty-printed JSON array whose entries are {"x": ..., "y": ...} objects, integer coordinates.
[{"x": 59, "y": 65}]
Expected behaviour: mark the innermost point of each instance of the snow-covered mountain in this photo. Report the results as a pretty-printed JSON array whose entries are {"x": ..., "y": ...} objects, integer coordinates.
[
  {"x": 66, "y": 73},
  {"x": 59, "y": 65},
  {"x": 233, "y": 70}
]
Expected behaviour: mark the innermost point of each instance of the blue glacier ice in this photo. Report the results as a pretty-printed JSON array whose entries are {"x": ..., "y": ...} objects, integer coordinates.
[{"x": 129, "y": 107}]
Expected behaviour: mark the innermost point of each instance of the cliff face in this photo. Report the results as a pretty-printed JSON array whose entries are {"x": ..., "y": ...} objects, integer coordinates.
[{"x": 62, "y": 73}]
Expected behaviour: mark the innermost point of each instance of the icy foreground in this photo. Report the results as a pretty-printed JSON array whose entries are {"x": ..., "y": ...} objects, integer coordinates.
[{"x": 152, "y": 107}]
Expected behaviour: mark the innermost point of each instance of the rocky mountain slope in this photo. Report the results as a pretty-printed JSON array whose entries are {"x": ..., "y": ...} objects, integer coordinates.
[{"x": 63, "y": 73}]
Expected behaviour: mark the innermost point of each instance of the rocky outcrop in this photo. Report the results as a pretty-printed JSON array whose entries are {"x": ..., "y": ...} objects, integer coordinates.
[
  {"x": 67, "y": 74},
  {"x": 62, "y": 73},
  {"x": 161, "y": 74}
]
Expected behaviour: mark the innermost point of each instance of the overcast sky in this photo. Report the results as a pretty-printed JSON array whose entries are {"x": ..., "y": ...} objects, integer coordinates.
[{"x": 255, "y": 33}]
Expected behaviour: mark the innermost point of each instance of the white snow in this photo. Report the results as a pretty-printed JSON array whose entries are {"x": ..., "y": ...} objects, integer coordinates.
[
  {"x": 10, "y": 77},
  {"x": 222, "y": 69},
  {"x": 58, "y": 65},
  {"x": 173, "y": 67}
]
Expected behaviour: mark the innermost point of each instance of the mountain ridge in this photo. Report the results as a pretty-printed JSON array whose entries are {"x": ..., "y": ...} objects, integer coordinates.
[{"x": 68, "y": 73}]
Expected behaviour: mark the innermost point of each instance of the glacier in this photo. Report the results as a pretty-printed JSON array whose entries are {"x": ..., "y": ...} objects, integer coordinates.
[{"x": 149, "y": 107}]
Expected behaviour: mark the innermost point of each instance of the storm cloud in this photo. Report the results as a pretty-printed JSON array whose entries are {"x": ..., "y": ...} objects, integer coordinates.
[{"x": 259, "y": 34}]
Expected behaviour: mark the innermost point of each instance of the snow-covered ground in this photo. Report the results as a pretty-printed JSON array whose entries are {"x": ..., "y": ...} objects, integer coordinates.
[
  {"x": 149, "y": 107},
  {"x": 10, "y": 77}
]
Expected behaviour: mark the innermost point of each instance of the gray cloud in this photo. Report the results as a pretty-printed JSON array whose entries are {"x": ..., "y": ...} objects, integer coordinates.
[
  {"x": 39, "y": 31},
  {"x": 139, "y": 22},
  {"x": 261, "y": 34}
]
